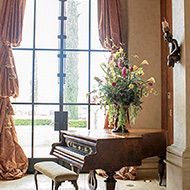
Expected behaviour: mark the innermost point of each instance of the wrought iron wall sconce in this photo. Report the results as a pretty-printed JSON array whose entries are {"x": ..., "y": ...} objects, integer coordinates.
[{"x": 175, "y": 49}]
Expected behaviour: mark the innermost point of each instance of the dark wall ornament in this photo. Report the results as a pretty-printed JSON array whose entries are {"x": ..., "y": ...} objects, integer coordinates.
[{"x": 175, "y": 49}]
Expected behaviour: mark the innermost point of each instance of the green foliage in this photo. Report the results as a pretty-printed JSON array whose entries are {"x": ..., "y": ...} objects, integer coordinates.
[
  {"x": 71, "y": 84},
  {"x": 79, "y": 124},
  {"x": 36, "y": 122}
]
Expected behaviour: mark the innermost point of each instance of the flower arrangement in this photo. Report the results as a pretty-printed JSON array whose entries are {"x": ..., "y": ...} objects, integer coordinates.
[{"x": 122, "y": 87}]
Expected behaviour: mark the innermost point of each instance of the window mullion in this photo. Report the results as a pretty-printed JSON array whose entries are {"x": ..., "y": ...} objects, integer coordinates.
[
  {"x": 89, "y": 62},
  {"x": 33, "y": 78}
]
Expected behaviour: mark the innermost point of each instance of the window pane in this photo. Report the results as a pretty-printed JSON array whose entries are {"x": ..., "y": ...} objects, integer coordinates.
[
  {"x": 77, "y": 24},
  {"x": 76, "y": 85},
  {"x": 77, "y": 116},
  {"x": 46, "y": 80},
  {"x": 27, "y": 34},
  {"x": 96, "y": 59},
  {"x": 22, "y": 121},
  {"x": 95, "y": 42},
  {"x": 47, "y": 12},
  {"x": 23, "y": 61},
  {"x": 97, "y": 117},
  {"x": 44, "y": 134}
]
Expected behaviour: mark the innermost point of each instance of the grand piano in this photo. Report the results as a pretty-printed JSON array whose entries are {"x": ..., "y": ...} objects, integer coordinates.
[{"x": 103, "y": 149}]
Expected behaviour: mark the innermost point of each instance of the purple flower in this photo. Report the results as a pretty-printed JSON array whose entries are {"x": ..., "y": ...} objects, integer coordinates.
[
  {"x": 150, "y": 83},
  {"x": 124, "y": 72},
  {"x": 113, "y": 84},
  {"x": 131, "y": 69}
]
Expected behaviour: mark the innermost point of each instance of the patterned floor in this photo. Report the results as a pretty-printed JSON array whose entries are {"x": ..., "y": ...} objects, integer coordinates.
[{"x": 27, "y": 183}]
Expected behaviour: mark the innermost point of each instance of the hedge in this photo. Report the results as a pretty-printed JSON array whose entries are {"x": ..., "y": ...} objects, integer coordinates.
[
  {"x": 77, "y": 123},
  {"x": 36, "y": 122},
  {"x": 48, "y": 122}
]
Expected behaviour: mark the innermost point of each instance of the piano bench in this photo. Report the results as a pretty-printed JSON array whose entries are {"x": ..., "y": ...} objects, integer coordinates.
[{"x": 56, "y": 172}]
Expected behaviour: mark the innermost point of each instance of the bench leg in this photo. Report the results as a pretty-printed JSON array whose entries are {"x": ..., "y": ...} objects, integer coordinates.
[
  {"x": 57, "y": 184},
  {"x": 35, "y": 178},
  {"x": 75, "y": 184},
  {"x": 52, "y": 185},
  {"x": 75, "y": 169}
]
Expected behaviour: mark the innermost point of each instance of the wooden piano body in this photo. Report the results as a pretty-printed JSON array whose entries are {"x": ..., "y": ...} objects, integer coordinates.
[{"x": 103, "y": 149}]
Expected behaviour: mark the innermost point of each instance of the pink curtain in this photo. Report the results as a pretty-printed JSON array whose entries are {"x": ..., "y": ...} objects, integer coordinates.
[
  {"x": 110, "y": 23},
  {"x": 13, "y": 161}
]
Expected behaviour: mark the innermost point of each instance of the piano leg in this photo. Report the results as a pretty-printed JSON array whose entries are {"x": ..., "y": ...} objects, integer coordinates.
[
  {"x": 110, "y": 181},
  {"x": 161, "y": 168},
  {"x": 92, "y": 181}
]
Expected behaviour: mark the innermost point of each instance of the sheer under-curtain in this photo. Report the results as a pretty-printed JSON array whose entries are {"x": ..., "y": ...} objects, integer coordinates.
[
  {"x": 110, "y": 35},
  {"x": 13, "y": 161}
]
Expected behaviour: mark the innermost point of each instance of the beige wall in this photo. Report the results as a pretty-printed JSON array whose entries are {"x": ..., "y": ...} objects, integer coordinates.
[{"x": 142, "y": 33}]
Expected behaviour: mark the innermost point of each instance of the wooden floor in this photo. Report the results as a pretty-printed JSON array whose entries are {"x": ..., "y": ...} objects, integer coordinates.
[{"x": 27, "y": 183}]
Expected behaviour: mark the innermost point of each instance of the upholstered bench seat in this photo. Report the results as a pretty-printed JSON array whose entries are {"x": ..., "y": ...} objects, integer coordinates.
[{"x": 56, "y": 172}]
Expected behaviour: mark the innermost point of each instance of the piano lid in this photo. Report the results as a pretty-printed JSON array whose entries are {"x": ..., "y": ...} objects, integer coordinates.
[{"x": 100, "y": 134}]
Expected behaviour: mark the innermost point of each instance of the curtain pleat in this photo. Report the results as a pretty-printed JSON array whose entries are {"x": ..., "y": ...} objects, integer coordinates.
[
  {"x": 13, "y": 161},
  {"x": 9, "y": 86},
  {"x": 12, "y": 15},
  {"x": 110, "y": 23}
]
